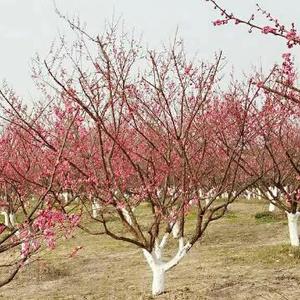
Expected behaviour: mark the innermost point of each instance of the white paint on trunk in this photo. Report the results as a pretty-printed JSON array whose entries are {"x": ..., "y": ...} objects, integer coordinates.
[
  {"x": 293, "y": 228},
  {"x": 126, "y": 215},
  {"x": 12, "y": 219},
  {"x": 206, "y": 201},
  {"x": 175, "y": 229},
  {"x": 6, "y": 218},
  {"x": 95, "y": 209},
  {"x": 23, "y": 246},
  {"x": 259, "y": 194},
  {"x": 163, "y": 242},
  {"x": 201, "y": 193},
  {"x": 224, "y": 195},
  {"x": 158, "y": 281},
  {"x": 272, "y": 192},
  {"x": 271, "y": 207},
  {"x": 159, "y": 267},
  {"x": 248, "y": 195},
  {"x": 65, "y": 197},
  {"x": 159, "y": 193}
]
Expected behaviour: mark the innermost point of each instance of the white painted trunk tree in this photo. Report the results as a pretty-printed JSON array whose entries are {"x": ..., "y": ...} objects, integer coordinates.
[
  {"x": 160, "y": 267},
  {"x": 272, "y": 195},
  {"x": 175, "y": 229},
  {"x": 224, "y": 195},
  {"x": 258, "y": 194},
  {"x": 6, "y": 218},
  {"x": 95, "y": 209},
  {"x": 9, "y": 219},
  {"x": 271, "y": 207},
  {"x": 248, "y": 194},
  {"x": 65, "y": 197},
  {"x": 127, "y": 215},
  {"x": 12, "y": 219},
  {"x": 293, "y": 228}
]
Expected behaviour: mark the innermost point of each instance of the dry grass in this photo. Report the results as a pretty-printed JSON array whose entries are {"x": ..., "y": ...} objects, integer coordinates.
[{"x": 245, "y": 255}]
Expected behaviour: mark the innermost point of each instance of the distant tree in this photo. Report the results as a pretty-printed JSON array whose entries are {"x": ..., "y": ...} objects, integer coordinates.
[
  {"x": 277, "y": 142},
  {"x": 31, "y": 158}
]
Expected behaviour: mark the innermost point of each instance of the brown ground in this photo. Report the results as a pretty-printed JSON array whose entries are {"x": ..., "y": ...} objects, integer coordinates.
[{"x": 240, "y": 257}]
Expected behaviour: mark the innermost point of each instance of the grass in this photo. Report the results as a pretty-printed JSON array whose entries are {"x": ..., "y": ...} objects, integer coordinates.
[
  {"x": 270, "y": 217},
  {"x": 244, "y": 255},
  {"x": 230, "y": 215}
]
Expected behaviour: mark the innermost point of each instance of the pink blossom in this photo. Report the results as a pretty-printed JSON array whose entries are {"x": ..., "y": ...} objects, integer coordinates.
[
  {"x": 220, "y": 22},
  {"x": 188, "y": 69},
  {"x": 268, "y": 29}
]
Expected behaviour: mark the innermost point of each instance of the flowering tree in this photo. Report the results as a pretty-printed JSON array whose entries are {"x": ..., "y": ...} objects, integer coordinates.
[
  {"x": 154, "y": 134},
  {"x": 278, "y": 136},
  {"x": 278, "y": 120},
  {"x": 31, "y": 157},
  {"x": 273, "y": 26}
]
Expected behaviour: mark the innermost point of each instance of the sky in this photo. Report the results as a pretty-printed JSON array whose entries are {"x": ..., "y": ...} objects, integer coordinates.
[{"x": 29, "y": 27}]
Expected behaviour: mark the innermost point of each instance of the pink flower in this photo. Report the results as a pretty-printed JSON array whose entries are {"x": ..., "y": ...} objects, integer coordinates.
[
  {"x": 187, "y": 70},
  {"x": 286, "y": 55},
  {"x": 291, "y": 35},
  {"x": 268, "y": 29},
  {"x": 121, "y": 205},
  {"x": 220, "y": 22},
  {"x": 260, "y": 84},
  {"x": 74, "y": 220}
]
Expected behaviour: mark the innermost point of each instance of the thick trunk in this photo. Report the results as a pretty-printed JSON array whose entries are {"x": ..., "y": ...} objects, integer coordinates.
[
  {"x": 159, "y": 267},
  {"x": 158, "y": 281},
  {"x": 293, "y": 228}
]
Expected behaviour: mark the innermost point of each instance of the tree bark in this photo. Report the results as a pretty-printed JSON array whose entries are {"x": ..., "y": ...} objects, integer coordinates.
[{"x": 293, "y": 228}]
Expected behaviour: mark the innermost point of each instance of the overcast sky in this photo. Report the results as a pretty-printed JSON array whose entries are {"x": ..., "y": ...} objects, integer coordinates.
[{"x": 29, "y": 26}]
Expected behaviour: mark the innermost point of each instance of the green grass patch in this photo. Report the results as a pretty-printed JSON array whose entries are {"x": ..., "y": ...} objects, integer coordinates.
[
  {"x": 275, "y": 254},
  {"x": 269, "y": 217},
  {"x": 268, "y": 255},
  {"x": 230, "y": 215}
]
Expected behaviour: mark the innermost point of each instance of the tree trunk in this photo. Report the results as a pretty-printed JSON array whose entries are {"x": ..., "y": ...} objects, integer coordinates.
[
  {"x": 271, "y": 207},
  {"x": 159, "y": 267},
  {"x": 175, "y": 230},
  {"x": 6, "y": 218},
  {"x": 158, "y": 281},
  {"x": 126, "y": 216},
  {"x": 95, "y": 209},
  {"x": 293, "y": 228},
  {"x": 258, "y": 192}
]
